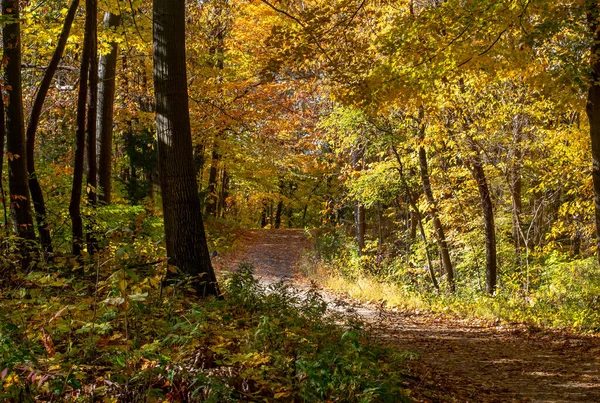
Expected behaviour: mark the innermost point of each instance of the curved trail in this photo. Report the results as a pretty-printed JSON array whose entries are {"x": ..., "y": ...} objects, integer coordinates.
[{"x": 459, "y": 360}]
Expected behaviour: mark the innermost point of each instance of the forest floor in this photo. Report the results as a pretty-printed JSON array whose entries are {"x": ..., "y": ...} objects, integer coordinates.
[{"x": 459, "y": 360}]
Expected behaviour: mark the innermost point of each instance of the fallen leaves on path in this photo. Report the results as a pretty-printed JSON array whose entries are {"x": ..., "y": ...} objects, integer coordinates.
[{"x": 460, "y": 360}]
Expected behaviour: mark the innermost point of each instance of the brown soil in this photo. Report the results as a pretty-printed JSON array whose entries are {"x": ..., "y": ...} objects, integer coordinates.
[{"x": 459, "y": 360}]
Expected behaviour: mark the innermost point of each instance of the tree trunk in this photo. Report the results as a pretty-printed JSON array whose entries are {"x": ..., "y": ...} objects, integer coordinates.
[
  {"x": 92, "y": 115},
  {"x": 516, "y": 185},
  {"x": 106, "y": 101},
  {"x": 359, "y": 209},
  {"x": 224, "y": 194},
  {"x": 34, "y": 118},
  {"x": 418, "y": 216},
  {"x": 263, "y": 215},
  {"x": 20, "y": 204},
  {"x": 278, "y": 212},
  {"x": 75, "y": 204},
  {"x": 440, "y": 235},
  {"x": 2, "y": 143},
  {"x": 187, "y": 248},
  {"x": 213, "y": 197},
  {"x": 593, "y": 106},
  {"x": 491, "y": 264}
]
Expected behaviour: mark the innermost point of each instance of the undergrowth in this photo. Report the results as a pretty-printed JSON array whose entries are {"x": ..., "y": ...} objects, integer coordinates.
[
  {"x": 554, "y": 292},
  {"x": 128, "y": 337}
]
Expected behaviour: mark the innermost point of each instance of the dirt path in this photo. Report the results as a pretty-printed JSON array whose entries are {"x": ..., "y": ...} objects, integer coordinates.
[{"x": 459, "y": 360}]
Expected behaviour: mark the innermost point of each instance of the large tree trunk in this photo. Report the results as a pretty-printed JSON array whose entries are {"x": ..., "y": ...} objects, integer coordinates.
[
  {"x": 75, "y": 203},
  {"x": 593, "y": 105},
  {"x": 15, "y": 130},
  {"x": 92, "y": 115},
  {"x": 187, "y": 248},
  {"x": 36, "y": 110},
  {"x": 440, "y": 235},
  {"x": 491, "y": 264},
  {"x": 106, "y": 101}
]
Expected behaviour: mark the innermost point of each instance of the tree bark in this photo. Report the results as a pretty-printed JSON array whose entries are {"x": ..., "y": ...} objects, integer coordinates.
[
  {"x": 440, "y": 235},
  {"x": 92, "y": 115},
  {"x": 187, "y": 248},
  {"x": 75, "y": 203},
  {"x": 491, "y": 264},
  {"x": 593, "y": 106},
  {"x": 20, "y": 204},
  {"x": 106, "y": 100},
  {"x": 37, "y": 196}
]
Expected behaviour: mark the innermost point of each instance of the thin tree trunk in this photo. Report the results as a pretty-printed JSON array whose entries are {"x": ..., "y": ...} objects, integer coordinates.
[
  {"x": 380, "y": 225},
  {"x": 419, "y": 218},
  {"x": 491, "y": 264},
  {"x": 440, "y": 235},
  {"x": 515, "y": 186},
  {"x": 224, "y": 192},
  {"x": 359, "y": 209},
  {"x": 92, "y": 115},
  {"x": 106, "y": 101},
  {"x": 213, "y": 197},
  {"x": 37, "y": 196},
  {"x": 263, "y": 215},
  {"x": 593, "y": 106},
  {"x": 2, "y": 144},
  {"x": 20, "y": 201},
  {"x": 75, "y": 204},
  {"x": 187, "y": 248}
]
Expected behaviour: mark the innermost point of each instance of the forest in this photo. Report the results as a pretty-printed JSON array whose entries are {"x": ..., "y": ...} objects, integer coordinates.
[{"x": 300, "y": 200}]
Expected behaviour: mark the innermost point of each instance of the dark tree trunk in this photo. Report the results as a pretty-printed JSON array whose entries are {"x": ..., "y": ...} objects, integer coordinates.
[
  {"x": 2, "y": 144},
  {"x": 20, "y": 203},
  {"x": 224, "y": 193},
  {"x": 278, "y": 212},
  {"x": 359, "y": 209},
  {"x": 440, "y": 235},
  {"x": 106, "y": 101},
  {"x": 92, "y": 115},
  {"x": 213, "y": 197},
  {"x": 491, "y": 263},
  {"x": 75, "y": 203},
  {"x": 263, "y": 215},
  {"x": 36, "y": 110},
  {"x": 593, "y": 106},
  {"x": 187, "y": 248}
]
